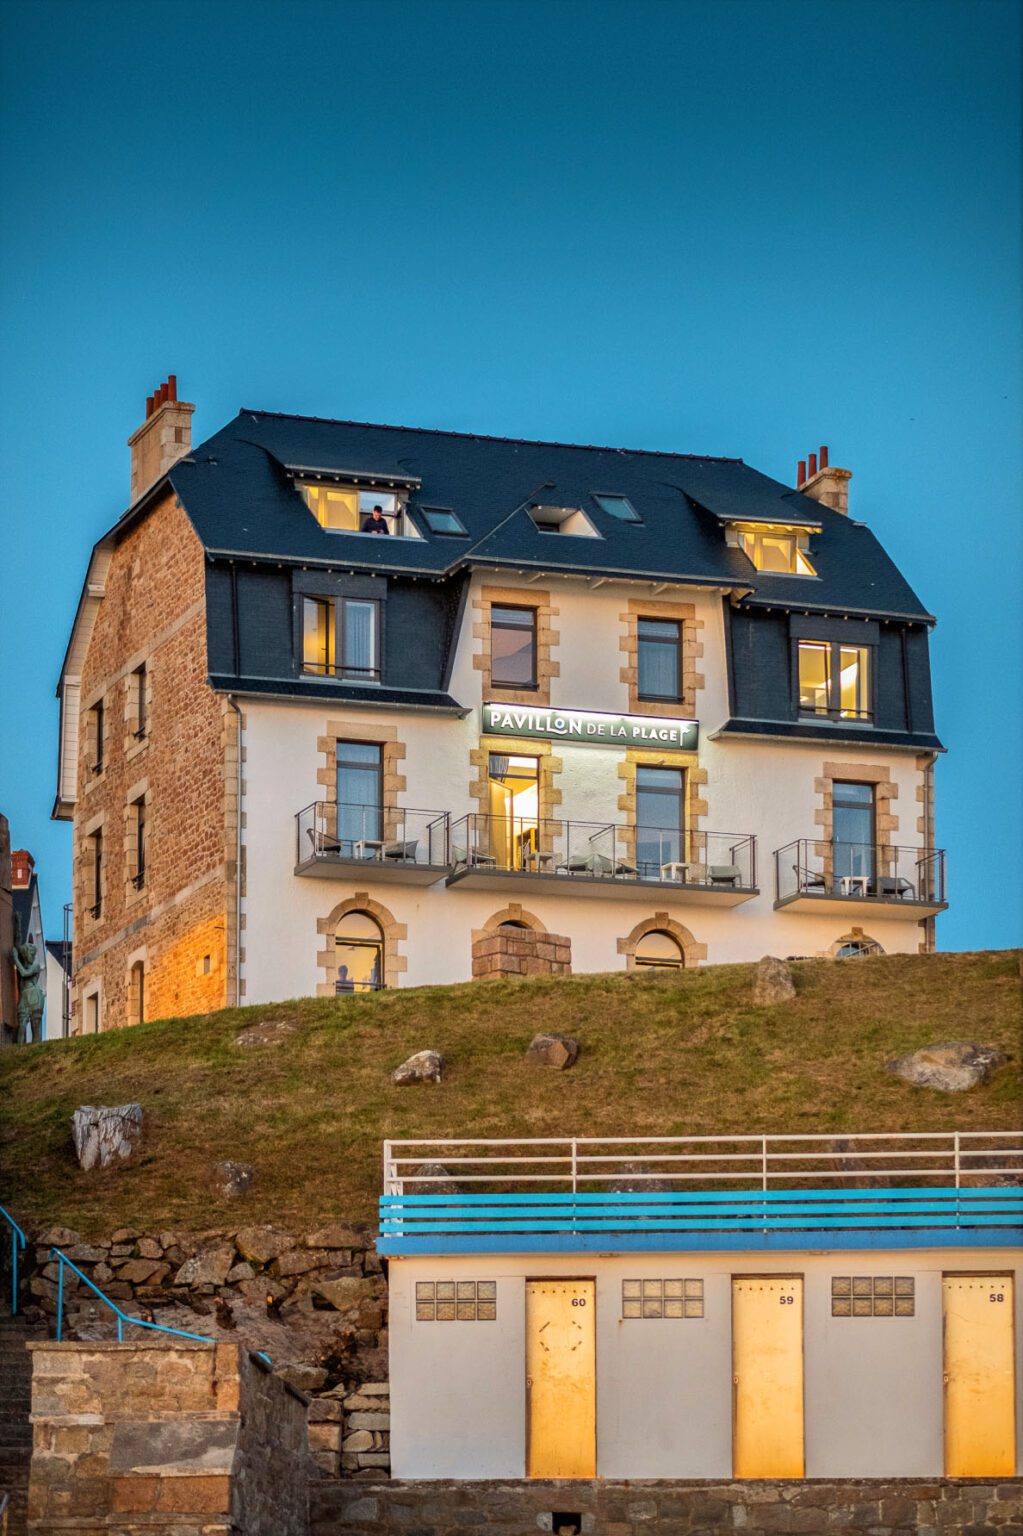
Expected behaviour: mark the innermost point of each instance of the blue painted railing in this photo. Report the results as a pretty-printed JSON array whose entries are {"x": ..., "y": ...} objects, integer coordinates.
[
  {"x": 17, "y": 1246},
  {"x": 122, "y": 1317},
  {"x": 424, "y": 1223}
]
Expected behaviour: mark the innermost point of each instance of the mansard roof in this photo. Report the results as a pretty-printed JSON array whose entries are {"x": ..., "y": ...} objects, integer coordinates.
[{"x": 238, "y": 489}]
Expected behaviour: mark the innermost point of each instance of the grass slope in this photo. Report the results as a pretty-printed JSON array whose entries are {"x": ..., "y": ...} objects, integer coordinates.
[{"x": 659, "y": 1056}]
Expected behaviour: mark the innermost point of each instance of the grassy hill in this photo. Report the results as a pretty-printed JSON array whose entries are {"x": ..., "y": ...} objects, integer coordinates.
[{"x": 660, "y": 1055}]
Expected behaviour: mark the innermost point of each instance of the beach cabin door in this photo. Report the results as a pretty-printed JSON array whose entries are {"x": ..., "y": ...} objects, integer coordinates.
[
  {"x": 767, "y": 1376},
  {"x": 561, "y": 1387},
  {"x": 980, "y": 1409}
]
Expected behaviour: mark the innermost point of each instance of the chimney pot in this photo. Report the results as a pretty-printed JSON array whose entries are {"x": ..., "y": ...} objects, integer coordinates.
[
  {"x": 149, "y": 406},
  {"x": 801, "y": 472},
  {"x": 813, "y": 465},
  {"x": 172, "y": 393},
  {"x": 157, "y": 446},
  {"x": 161, "y": 395},
  {"x": 824, "y": 456}
]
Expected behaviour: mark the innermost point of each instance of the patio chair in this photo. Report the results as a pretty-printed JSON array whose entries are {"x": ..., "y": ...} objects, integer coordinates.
[
  {"x": 402, "y": 852},
  {"x": 809, "y": 879},
  {"x": 725, "y": 874},
  {"x": 322, "y": 842},
  {"x": 896, "y": 885}
]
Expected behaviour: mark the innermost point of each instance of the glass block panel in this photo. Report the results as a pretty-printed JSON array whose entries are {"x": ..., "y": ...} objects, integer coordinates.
[
  {"x": 863, "y": 1306},
  {"x": 486, "y": 1311},
  {"x": 465, "y": 1311},
  {"x": 694, "y": 1288},
  {"x": 424, "y": 1290},
  {"x": 651, "y": 1307},
  {"x": 632, "y": 1308},
  {"x": 862, "y": 1286},
  {"x": 883, "y": 1285},
  {"x": 425, "y": 1312},
  {"x": 841, "y": 1285},
  {"x": 904, "y": 1285},
  {"x": 631, "y": 1288},
  {"x": 674, "y": 1288},
  {"x": 694, "y": 1306},
  {"x": 651, "y": 1288},
  {"x": 486, "y": 1290},
  {"x": 904, "y": 1306},
  {"x": 445, "y": 1290},
  {"x": 445, "y": 1311},
  {"x": 466, "y": 1290},
  {"x": 883, "y": 1306},
  {"x": 674, "y": 1306},
  {"x": 841, "y": 1306}
]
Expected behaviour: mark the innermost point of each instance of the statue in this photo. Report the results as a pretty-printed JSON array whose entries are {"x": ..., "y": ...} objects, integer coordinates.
[{"x": 30, "y": 994}]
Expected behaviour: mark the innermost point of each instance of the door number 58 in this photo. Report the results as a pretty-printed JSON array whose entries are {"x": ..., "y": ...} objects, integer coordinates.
[{"x": 997, "y": 1296}]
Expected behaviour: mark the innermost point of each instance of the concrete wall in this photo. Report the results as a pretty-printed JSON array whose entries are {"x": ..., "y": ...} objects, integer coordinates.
[
  {"x": 766, "y": 788},
  {"x": 873, "y": 1386},
  {"x": 167, "y": 1438}
]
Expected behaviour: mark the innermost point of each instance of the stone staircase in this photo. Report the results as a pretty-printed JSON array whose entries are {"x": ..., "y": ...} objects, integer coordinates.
[{"x": 15, "y": 1404}]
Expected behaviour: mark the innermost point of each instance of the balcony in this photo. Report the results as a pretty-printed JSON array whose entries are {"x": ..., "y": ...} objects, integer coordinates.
[
  {"x": 849, "y": 878},
  {"x": 592, "y": 858},
  {"x": 400, "y": 845}
]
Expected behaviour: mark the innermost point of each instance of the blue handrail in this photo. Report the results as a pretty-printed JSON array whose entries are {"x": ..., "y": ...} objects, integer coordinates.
[
  {"x": 122, "y": 1317},
  {"x": 17, "y": 1241}
]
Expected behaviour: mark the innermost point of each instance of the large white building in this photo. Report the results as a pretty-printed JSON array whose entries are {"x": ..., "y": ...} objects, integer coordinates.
[{"x": 545, "y": 708}]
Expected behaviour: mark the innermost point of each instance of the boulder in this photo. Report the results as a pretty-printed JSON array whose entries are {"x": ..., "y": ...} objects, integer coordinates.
[
  {"x": 210, "y": 1266},
  {"x": 556, "y": 1051},
  {"x": 338, "y": 1236},
  {"x": 772, "y": 983},
  {"x": 430, "y": 1179},
  {"x": 345, "y": 1293},
  {"x": 262, "y": 1244},
  {"x": 423, "y": 1067},
  {"x": 628, "y": 1184},
  {"x": 105, "y": 1135},
  {"x": 951, "y": 1067},
  {"x": 232, "y": 1180}
]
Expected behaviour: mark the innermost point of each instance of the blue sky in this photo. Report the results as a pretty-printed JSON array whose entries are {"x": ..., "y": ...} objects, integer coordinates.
[{"x": 731, "y": 228}]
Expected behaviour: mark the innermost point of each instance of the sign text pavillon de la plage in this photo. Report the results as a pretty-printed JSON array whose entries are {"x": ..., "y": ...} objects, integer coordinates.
[{"x": 590, "y": 728}]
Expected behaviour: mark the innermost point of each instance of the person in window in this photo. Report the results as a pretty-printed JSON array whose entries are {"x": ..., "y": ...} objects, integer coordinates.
[
  {"x": 376, "y": 522},
  {"x": 344, "y": 982}
]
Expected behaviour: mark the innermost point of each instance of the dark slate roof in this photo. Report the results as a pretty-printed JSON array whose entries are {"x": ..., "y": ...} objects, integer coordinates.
[
  {"x": 241, "y": 500},
  {"x": 23, "y": 899},
  {"x": 337, "y": 693},
  {"x": 60, "y": 951},
  {"x": 840, "y": 735}
]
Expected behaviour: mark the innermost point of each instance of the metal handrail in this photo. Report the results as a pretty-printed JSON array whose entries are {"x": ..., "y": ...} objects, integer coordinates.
[
  {"x": 17, "y": 1242},
  {"x": 409, "y": 823},
  {"x": 947, "y": 1155},
  {"x": 122, "y": 1317},
  {"x": 912, "y": 873},
  {"x": 4, "y": 1511}
]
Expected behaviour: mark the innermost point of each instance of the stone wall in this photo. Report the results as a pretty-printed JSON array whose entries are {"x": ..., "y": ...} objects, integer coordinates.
[
  {"x": 315, "y": 1304},
  {"x": 521, "y": 952},
  {"x": 165, "y": 1438},
  {"x": 895, "y": 1507}
]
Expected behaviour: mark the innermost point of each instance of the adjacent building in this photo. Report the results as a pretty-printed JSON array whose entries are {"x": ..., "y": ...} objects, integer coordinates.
[{"x": 349, "y": 706}]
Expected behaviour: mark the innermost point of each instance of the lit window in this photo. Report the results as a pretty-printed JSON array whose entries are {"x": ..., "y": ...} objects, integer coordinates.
[
  {"x": 442, "y": 520},
  {"x": 834, "y": 680},
  {"x": 659, "y": 644},
  {"x": 359, "y": 946},
  {"x": 660, "y": 950},
  {"x": 856, "y": 948},
  {"x": 333, "y": 507},
  {"x": 776, "y": 552},
  {"x": 360, "y": 798},
  {"x": 348, "y": 509},
  {"x": 513, "y": 647},
  {"x": 565, "y": 520},
  {"x": 617, "y": 506},
  {"x": 358, "y": 640},
  {"x": 318, "y": 636}
]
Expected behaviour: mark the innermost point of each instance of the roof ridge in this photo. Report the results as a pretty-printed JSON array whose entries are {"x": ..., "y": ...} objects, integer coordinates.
[{"x": 490, "y": 437}]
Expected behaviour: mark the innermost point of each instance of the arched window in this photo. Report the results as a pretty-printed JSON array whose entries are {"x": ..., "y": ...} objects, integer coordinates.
[
  {"x": 659, "y": 949},
  {"x": 511, "y": 922},
  {"x": 360, "y": 954},
  {"x": 137, "y": 993},
  {"x": 855, "y": 948}
]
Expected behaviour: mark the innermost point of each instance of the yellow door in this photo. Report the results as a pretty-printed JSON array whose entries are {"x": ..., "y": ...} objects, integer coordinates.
[
  {"x": 561, "y": 1388},
  {"x": 767, "y": 1373},
  {"x": 980, "y": 1400}
]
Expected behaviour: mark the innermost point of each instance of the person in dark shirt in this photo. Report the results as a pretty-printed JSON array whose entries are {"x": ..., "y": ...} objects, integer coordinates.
[{"x": 376, "y": 522}]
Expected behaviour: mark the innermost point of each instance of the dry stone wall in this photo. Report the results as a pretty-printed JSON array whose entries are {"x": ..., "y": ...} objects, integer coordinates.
[{"x": 316, "y": 1304}]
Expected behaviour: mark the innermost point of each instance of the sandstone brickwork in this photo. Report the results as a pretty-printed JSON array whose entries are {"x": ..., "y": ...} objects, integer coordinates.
[
  {"x": 175, "y": 916},
  {"x": 521, "y": 952}
]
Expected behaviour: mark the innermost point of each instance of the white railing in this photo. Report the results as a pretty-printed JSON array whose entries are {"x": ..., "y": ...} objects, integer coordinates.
[{"x": 755, "y": 1162}]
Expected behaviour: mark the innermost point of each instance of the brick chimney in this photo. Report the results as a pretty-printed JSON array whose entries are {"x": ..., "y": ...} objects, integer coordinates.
[
  {"x": 163, "y": 438},
  {"x": 22, "y": 865},
  {"x": 827, "y": 485}
]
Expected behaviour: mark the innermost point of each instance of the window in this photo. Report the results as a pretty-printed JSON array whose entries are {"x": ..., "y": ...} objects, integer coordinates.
[
  {"x": 359, "y": 640},
  {"x": 138, "y": 704},
  {"x": 137, "y": 993},
  {"x": 873, "y": 1296},
  {"x": 660, "y": 821},
  {"x": 662, "y": 1298},
  {"x": 359, "y": 945},
  {"x": 360, "y": 816},
  {"x": 96, "y": 873},
  {"x": 856, "y": 948},
  {"x": 659, "y": 644},
  {"x": 514, "y": 789},
  {"x": 617, "y": 506},
  {"x": 853, "y": 834},
  {"x": 97, "y": 737},
  {"x": 347, "y": 509},
  {"x": 442, "y": 520},
  {"x": 777, "y": 552},
  {"x": 318, "y": 636},
  {"x": 513, "y": 647},
  {"x": 568, "y": 520},
  {"x": 660, "y": 950},
  {"x": 450, "y": 1301},
  {"x": 834, "y": 680},
  {"x": 90, "y": 1023},
  {"x": 138, "y": 810}
]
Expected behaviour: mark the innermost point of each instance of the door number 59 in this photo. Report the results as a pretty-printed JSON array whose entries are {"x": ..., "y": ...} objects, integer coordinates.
[{"x": 786, "y": 1301}]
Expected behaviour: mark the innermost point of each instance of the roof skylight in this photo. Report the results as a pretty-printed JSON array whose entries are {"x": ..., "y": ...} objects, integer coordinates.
[
  {"x": 443, "y": 520},
  {"x": 617, "y": 506}
]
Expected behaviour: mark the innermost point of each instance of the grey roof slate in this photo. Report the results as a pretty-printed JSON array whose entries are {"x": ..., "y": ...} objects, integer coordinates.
[{"x": 241, "y": 500}]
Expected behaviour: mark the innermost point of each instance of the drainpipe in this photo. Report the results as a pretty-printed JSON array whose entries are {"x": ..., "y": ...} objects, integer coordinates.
[{"x": 236, "y": 1001}]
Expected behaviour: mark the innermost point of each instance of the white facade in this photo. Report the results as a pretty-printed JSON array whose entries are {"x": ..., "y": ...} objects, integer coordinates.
[{"x": 770, "y": 788}]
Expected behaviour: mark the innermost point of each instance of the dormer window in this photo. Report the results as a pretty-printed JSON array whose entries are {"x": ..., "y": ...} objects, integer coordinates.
[
  {"x": 570, "y": 520},
  {"x": 356, "y": 509},
  {"x": 779, "y": 551}
]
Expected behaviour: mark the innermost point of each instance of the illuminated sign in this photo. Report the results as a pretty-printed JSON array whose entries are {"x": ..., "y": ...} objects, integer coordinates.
[{"x": 589, "y": 728}]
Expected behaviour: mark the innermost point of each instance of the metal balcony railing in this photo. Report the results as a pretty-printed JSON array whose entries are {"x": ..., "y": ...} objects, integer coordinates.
[
  {"x": 815, "y": 867},
  {"x": 396, "y": 836},
  {"x": 602, "y": 850}
]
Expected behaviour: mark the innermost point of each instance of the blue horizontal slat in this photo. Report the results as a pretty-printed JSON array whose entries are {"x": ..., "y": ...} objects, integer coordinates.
[
  {"x": 682, "y": 1224},
  {"x": 690, "y": 1242}
]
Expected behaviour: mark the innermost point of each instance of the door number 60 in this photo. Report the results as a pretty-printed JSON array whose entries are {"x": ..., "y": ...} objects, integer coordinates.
[{"x": 578, "y": 1301}]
